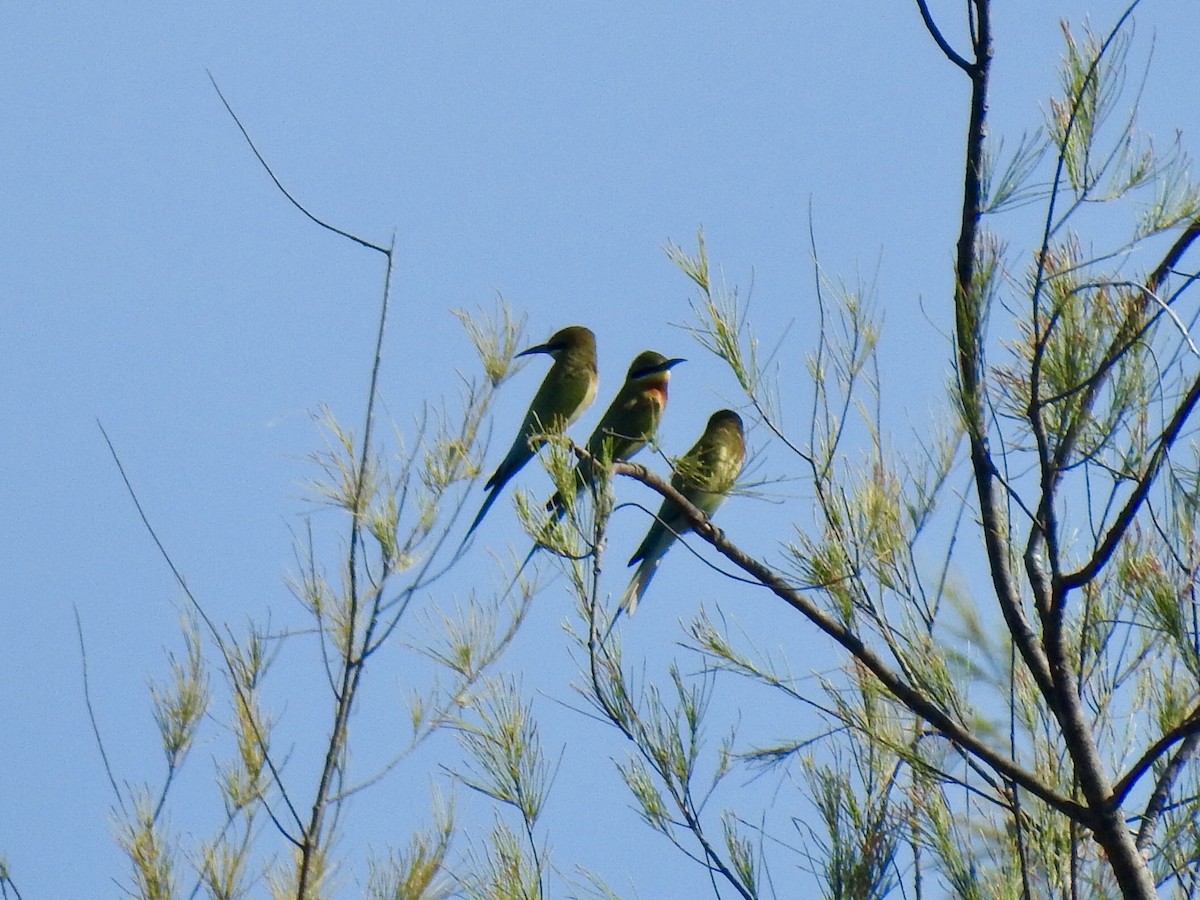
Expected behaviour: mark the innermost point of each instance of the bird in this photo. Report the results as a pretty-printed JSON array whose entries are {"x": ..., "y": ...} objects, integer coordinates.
[
  {"x": 704, "y": 475},
  {"x": 629, "y": 423},
  {"x": 567, "y": 390}
]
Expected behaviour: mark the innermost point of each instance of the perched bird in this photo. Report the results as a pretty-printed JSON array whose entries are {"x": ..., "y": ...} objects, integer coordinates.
[
  {"x": 704, "y": 475},
  {"x": 628, "y": 424},
  {"x": 567, "y": 390}
]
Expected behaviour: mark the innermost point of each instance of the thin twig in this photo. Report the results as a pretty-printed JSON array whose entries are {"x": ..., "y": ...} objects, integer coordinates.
[
  {"x": 87, "y": 699},
  {"x": 6, "y": 882},
  {"x": 279, "y": 184},
  {"x": 216, "y": 635},
  {"x": 354, "y": 658}
]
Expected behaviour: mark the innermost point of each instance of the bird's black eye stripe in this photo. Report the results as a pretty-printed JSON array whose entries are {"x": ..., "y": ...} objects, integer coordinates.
[{"x": 644, "y": 371}]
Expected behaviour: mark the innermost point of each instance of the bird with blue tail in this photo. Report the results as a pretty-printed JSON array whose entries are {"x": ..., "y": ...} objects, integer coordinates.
[
  {"x": 704, "y": 476},
  {"x": 567, "y": 390}
]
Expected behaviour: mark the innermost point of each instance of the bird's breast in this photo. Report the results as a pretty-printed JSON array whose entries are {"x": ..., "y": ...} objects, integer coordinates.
[{"x": 657, "y": 394}]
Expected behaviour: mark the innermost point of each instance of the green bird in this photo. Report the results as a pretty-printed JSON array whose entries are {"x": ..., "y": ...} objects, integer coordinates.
[
  {"x": 567, "y": 390},
  {"x": 629, "y": 423},
  {"x": 704, "y": 475}
]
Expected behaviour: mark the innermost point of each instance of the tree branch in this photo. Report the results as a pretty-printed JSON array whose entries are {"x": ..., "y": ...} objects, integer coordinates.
[
  {"x": 969, "y": 316},
  {"x": 942, "y": 43},
  {"x": 87, "y": 699},
  {"x": 217, "y": 639},
  {"x": 279, "y": 184},
  {"x": 1162, "y": 789},
  {"x": 1067, "y": 441},
  {"x": 1188, "y": 728},
  {"x": 910, "y": 697},
  {"x": 1172, "y": 257},
  {"x": 1125, "y": 517}
]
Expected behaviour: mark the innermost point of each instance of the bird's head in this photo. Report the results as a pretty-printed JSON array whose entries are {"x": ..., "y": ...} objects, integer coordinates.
[
  {"x": 725, "y": 420},
  {"x": 648, "y": 364},
  {"x": 570, "y": 340}
]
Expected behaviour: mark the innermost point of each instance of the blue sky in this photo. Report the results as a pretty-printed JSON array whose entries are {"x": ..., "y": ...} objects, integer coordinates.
[{"x": 155, "y": 280}]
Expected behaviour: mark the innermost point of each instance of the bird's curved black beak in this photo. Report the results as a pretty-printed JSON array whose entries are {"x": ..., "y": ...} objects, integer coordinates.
[{"x": 540, "y": 348}]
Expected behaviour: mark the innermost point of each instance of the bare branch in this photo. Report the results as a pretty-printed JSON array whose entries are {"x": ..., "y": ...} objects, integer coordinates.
[
  {"x": 1172, "y": 257},
  {"x": 87, "y": 699},
  {"x": 942, "y": 43},
  {"x": 1162, "y": 789},
  {"x": 212, "y": 629},
  {"x": 279, "y": 184},
  {"x": 1125, "y": 517},
  {"x": 969, "y": 322},
  {"x": 1185, "y": 730}
]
